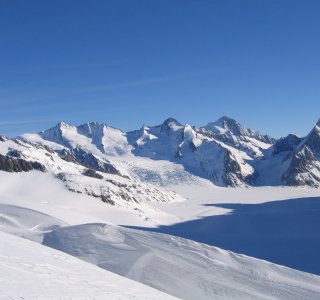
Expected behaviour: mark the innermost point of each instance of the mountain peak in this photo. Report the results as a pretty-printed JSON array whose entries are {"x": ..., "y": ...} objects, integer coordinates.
[
  {"x": 171, "y": 120},
  {"x": 227, "y": 123},
  {"x": 224, "y": 124},
  {"x": 57, "y": 128},
  {"x": 170, "y": 125},
  {"x": 62, "y": 124}
]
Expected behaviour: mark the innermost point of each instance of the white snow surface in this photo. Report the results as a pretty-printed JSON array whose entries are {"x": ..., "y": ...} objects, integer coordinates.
[
  {"x": 181, "y": 267},
  {"x": 38, "y": 207},
  {"x": 31, "y": 271}
]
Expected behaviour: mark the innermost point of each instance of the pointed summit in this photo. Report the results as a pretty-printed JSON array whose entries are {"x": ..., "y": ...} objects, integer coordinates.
[
  {"x": 90, "y": 129},
  {"x": 170, "y": 125},
  {"x": 224, "y": 124},
  {"x": 56, "y": 134},
  {"x": 171, "y": 120},
  {"x": 313, "y": 139},
  {"x": 61, "y": 125}
]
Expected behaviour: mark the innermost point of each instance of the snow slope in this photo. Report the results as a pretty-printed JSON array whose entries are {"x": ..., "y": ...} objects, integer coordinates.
[
  {"x": 181, "y": 267},
  {"x": 41, "y": 209},
  {"x": 31, "y": 271}
]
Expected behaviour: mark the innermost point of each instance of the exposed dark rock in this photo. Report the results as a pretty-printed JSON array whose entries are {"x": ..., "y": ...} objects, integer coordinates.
[
  {"x": 107, "y": 199},
  {"x": 88, "y": 160},
  {"x": 14, "y": 153},
  {"x": 288, "y": 143},
  {"x": 168, "y": 124},
  {"x": 232, "y": 171},
  {"x": 67, "y": 156},
  {"x": 11, "y": 164},
  {"x": 302, "y": 162},
  {"x": 92, "y": 173},
  {"x": 313, "y": 140}
]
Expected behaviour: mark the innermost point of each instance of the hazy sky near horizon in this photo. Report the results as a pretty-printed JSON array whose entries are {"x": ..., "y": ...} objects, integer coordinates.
[{"x": 128, "y": 63}]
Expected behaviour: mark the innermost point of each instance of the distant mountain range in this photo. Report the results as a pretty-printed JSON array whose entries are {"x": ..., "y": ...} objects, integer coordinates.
[{"x": 224, "y": 152}]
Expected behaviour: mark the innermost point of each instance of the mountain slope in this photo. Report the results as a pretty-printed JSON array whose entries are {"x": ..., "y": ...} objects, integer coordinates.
[{"x": 111, "y": 187}]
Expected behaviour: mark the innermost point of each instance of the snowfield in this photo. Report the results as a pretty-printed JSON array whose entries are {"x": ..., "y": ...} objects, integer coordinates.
[
  {"x": 181, "y": 267},
  {"x": 31, "y": 271},
  {"x": 38, "y": 207}
]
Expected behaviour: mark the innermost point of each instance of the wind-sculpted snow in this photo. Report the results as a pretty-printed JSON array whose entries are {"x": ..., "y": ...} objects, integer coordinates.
[
  {"x": 27, "y": 223},
  {"x": 36, "y": 206},
  {"x": 32, "y": 271},
  {"x": 181, "y": 267}
]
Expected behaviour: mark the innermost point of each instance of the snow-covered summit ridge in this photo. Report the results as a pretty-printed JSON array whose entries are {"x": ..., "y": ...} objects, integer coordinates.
[
  {"x": 228, "y": 125},
  {"x": 224, "y": 151}
]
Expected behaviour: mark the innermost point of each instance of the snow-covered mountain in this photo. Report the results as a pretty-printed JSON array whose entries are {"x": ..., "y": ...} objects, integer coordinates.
[
  {"x": 118, "y": 167},
  {"x": 81, "y": 171},
  {"x": 37, "y": 207},
  {"x": 224, "y": 151}
]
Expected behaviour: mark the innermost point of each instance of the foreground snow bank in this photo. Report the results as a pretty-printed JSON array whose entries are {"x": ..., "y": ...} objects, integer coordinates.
[
  {"x": 181, "y": 267},
  {"x": 31, "y": 271}
]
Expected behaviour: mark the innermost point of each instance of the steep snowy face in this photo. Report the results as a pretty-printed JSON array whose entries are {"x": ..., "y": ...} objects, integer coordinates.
[
  {"x": 226, "y": 125},
  {"x": 288, "y": 143},
  {"x": 92, "y": 137},
  {"x": 108, "y": 140},
  {"x": 157, "y": 142},
  {"x": 313, "y": 140},
  {"x": 89, "y": 144},
  {"x": 171, "y": 126},
  {"x": 59, "y": 134},
  {"x": 304, "y": 168},
  {"x": 200, "y": 153},
  {"x": 234, "y": 134}
]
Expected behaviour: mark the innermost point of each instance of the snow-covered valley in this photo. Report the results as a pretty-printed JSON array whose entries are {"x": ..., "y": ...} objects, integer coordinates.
[
  {"x": 37, "y": 207},
  {"x": 153, "y": 205}
]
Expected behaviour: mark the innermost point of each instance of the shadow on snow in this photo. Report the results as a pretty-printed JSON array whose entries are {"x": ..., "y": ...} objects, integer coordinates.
[{"x": 284, "y": 232}]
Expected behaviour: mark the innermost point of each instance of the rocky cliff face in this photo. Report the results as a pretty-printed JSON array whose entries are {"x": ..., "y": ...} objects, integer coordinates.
[
  {"x": 12, "y": 164},
  {"x": 304, "y": 169},
  {"x": 288, "y": 143}
]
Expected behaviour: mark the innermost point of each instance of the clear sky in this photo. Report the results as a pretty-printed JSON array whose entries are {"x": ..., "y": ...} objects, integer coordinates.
[{"x": 133, "y": 62}]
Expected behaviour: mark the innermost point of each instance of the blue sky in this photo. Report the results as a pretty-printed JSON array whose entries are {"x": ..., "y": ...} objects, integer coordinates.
[{"x": 128, "y": 63}]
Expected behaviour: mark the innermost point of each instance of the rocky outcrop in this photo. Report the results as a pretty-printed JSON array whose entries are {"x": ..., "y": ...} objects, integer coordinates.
[
  {"x": 289, "y": 143},
  {"x": 12, "y": 164},
  {"x": 92, "y": 173},
  {"x": 304, "y": 169},
  {"x": 88, "y": 160}
]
